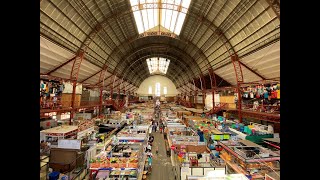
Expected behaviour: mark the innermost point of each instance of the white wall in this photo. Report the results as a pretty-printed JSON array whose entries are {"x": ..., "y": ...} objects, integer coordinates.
[
  {"x": 208, "y": 100},
  {"x": 152, "y": 80}
]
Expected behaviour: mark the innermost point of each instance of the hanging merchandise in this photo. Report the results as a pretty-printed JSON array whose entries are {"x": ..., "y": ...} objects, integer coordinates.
[
  {"x": 61, "y": 88},
  {"x": 47, "y": 88},
  {"x": 79, "y": 88},
  {"x": 42, "y": 85},
  {"x": 274, "y": 94},
  {"x": 251, "y": 95},
  {"x": 67, "y": 87},
  {"x": 278, "y": 94},
  {"x": 275, "y": 87},
  {"x": 266, "y": 94}
]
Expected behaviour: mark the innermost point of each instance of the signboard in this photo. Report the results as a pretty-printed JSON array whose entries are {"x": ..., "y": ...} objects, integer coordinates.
[{"x": 69, "y": 143}]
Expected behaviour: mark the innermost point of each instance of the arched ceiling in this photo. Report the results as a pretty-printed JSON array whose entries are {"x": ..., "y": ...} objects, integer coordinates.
[{"x": 108, "y": 29}]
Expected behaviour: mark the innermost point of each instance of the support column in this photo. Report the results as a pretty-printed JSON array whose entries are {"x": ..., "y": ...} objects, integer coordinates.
[
  {"x": 196, "y": 97},
  {"x": 74, "y": 85},
  {"x": 239, "y": 76},
  {"x": 74, "y": 77},
  {"x": 101, "y": 78},
  {"x": 203, "y": 83},
  {"x": 101, "y": 100},
  {"x": 213, "y": 85}
]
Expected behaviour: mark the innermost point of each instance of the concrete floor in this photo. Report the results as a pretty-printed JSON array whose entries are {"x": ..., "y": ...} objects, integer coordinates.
[{"x": 161, "y": 165}]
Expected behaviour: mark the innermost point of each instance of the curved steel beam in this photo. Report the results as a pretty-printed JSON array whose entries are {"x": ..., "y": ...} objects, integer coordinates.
[
  {"x": 159, "y": 46},
  {"x": 155, "y": 46},
  {"x": 185, "y": 67}
]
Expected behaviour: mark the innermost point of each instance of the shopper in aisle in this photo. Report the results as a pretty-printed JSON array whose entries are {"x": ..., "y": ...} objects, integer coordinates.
[{"x": 161, "y": 128}]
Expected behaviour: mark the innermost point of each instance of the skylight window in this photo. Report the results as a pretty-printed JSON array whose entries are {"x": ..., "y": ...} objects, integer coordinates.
[
  {"x": 158, "y": 65},
  {"x": 170, "y": 14}
]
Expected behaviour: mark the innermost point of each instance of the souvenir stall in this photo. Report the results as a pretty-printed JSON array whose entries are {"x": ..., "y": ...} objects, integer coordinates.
[
  {"x": 172, "y": 120},
  {"x": 129, "y": 117},
  {"x": 85, "y": 129},
  {"x": 253, "y": 132},
  {"x": 133, "y": 133},
  {"x": 114, "y": 123},
  {"x": 262, "y": 97},
  {"x": 119, "y": 160},
  {"x": 183, "y": 141},
  {"x": 104, "y": 141},
  {"x": 244, "y": 156},
  {"x": 50, "y": 94},
  {"x": 60, "y": 132}
]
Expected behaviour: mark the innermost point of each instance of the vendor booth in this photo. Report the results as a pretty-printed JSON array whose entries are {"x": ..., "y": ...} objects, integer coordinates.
[{"x": 244, "y": 156}]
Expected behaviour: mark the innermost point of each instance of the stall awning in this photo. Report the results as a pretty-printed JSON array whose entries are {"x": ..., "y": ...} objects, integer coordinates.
[{"x": 60, "y": 130}]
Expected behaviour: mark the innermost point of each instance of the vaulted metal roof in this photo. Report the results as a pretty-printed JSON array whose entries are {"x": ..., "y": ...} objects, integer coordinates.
[{"x": 106, "y": 30}]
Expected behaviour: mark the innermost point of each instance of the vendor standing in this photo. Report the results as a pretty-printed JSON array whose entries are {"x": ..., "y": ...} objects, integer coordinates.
[{"x": 200, "y": 133}]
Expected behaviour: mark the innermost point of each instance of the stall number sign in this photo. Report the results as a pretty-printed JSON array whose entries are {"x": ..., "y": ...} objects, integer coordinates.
[
  {"x": 50, "y": 114},
  {"x": 69, "y": 143}
]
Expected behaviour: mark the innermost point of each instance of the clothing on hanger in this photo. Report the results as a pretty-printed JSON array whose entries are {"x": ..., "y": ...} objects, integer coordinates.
[
  {"x": 266, "y": 95},
  {"x": 278, "y": 94}
]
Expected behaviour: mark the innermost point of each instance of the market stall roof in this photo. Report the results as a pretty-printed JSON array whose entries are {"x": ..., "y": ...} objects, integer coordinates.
[
  {"x": 276, "y": 140},
  {"x": 60, "y": 129}
]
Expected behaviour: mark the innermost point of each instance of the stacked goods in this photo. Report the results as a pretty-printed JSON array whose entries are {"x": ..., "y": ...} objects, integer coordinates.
[
  {"x": 85, "y": 125},
  {"x": 115, "y": 162}
]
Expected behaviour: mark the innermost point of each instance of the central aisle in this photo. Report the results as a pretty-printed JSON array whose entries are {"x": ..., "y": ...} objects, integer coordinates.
[{"x": 161, "y": 164}]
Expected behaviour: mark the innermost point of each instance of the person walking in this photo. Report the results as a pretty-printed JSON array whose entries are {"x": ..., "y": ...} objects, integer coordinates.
[{"x": 161, "y": 128}]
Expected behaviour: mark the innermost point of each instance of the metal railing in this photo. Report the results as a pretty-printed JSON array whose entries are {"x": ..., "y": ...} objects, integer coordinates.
[{"x": 59, "y": 104}]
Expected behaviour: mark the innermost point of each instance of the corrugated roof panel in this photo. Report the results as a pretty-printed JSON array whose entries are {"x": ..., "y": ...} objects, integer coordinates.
[
  {"x": 46, "y": 44},
  {"x": 227, "y": 73},
  {"x": 93, "y": 80},
  {"x": 64, "y": 71},
  {"x": 266, "y": 61}
]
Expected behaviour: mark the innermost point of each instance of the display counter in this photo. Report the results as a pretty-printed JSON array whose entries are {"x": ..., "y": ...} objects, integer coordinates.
[
  {"x": 245, "y": 156},
  {"x": 125, "y": 160},
  {"x": 131, "y": 133},
  {"x": 52, "y": 135}
]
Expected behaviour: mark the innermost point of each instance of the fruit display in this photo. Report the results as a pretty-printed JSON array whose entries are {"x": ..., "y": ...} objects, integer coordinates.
[{"x": 114, "y": 162}]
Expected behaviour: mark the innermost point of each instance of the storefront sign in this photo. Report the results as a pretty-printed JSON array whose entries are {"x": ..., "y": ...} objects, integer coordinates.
[{"x": 69, "y": 143}]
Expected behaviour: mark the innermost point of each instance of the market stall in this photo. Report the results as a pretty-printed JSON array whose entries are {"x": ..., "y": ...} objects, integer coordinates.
[
  {"x": 60, "y": 132},
  {"x": 119, "y": 160},
  {"x": 133, "y": 133},
  {"x": 243, "y": 156}
]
